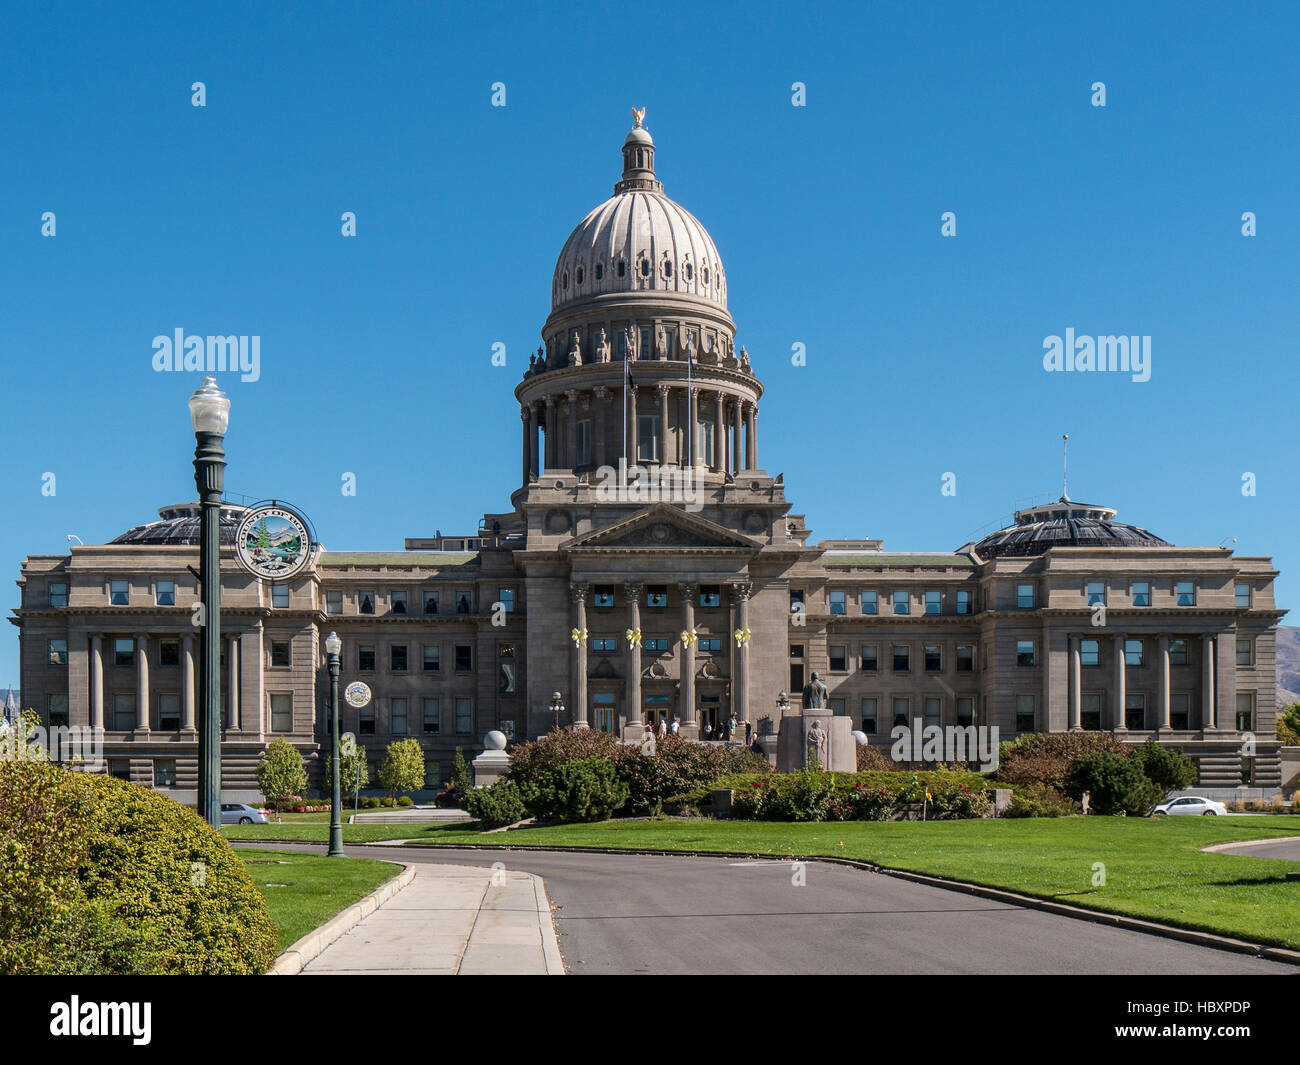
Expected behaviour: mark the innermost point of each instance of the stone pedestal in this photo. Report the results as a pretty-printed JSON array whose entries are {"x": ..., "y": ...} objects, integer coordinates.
[
  {"x": 792, "y": 743},
  {"x": 491, "y": 765}
]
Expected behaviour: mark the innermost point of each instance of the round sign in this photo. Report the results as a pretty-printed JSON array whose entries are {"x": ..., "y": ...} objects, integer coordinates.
[
  {"x": 357, "y": 694},
  {"x": 273, "y": 542}
]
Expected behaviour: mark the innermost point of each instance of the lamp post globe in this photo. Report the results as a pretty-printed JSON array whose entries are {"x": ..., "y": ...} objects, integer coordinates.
[
  {"x": 333, "y": 645},
  {"x": 556, "y": 708}
]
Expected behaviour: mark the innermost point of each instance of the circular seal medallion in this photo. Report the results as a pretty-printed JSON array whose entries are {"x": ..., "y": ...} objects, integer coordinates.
[
  {"x": 273, "y": 541},
  {"x": 357, "y": 694}
]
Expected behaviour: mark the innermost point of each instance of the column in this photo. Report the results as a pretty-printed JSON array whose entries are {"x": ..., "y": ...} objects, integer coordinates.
[
  {"x": 141, "y": 682},
  {"x": 252, "y": 696},
  {"x": 663, "y": 425},
  {"x": 629, "y": 442},
  {"x": 1162, "y": 680},
  {"x": 187, "y": 684},
  {"x": 579, "y": 707},
  {"x": 687, "y": 682},
  {"x": 719, "y": 437},
  {"x": 753, "y": 436},
  {"x": 552, "y": 460},
  {"x": 1076, "y": 685},
  {"x": 599, "y": 447},
  {"x": 97, "y": 682},
  {"x": 533, "y": 429},
  {"x": 751, "y": 459},
  {"x": 735, "y": 436},
  {"x": 232, "y": 683},
  {"x": 1120, "y": 722},
  {"x": 571, "y": 430},
  {"x": 740, "y": 682},
  {"x": 1208, "y": 718},
  {"x": 634, "y": 719},
  {"x": 693, "y": 426},
  {"x": 526, "y": 416}
]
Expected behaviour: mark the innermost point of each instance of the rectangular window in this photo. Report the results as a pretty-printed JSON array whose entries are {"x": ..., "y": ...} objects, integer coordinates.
[
  {"x": 870, "y": 604},
  {"x": 124, "y": 712},
  {"x": 464, "y": 716},
  {"x": 603, "y": 596},
  {"x": 123, "y": 651},
  {"x": 464, "y": 658},
  {"x": 430, "y": 603},
  {"x": 933, "y": 658},
  {"x": 1245, "y": 653},
  {"x": 1245, "y": 711},
  {"x": 1026, "y": 718},
  {"x": 710, "y": 595},
  {"x": 431, "y": 658},
  {"x": 119, "y": 593},
  {"x": 119, "y": 768},
  {"x": 647, "y": 438},
  {"x": 706, "y": 442},
  {"x": 506, "y": 597},
  {"x": 1135, "y": 711},
  {"x": 58, "y": 592},
  {"x": 838, "y": 605},
  {"x": 1186, "y": 592},
  {"x": 58, "y": 652},
  {"x": 796, "y": 600},
  {"x": 432, "y": 775},
  {"x": 279, "y": 652},
  {"x": 506, "y": 668},
  {"x": 366, "y": 603},
  {"x": 1025, "y": 653},
  {"x": 1133, "y": 653},
  {"x": 965, "y": 659},
  {"x": 902, "y": 659},
  {"x": 656, "y": 595},
  {"x": 164, "y": 593},
  {"x": 963, "y": 602},
  {"x": 1241, "y": 594},
  {"x": 431, "y": 716},
  {"x": 366, "y": 658},
  {"x": 56, "y": 710},
  {"x": 1024, "y": 596},
  {"x": 867, "y": 658},
  {"x": 464, "y": 603},
  {"x": 169, "y": 712},
  {"x": 839, "y": 659},
  {"x": 397, "y": 658},
  {"x": 655, "y": 645},
  {"x": 397, "y": 602},
  {"x": 1090, "y": 712},
  {"x": 397, "y": 715},
  {"x": 164, "y": 772},
  {"x": 584, "y": 442},
  {"x": 1090, "y": 653},
  {"x": 710, "y": 645},
  {"x": 1180, "y": 711},
  {"x": 902, "y": 605},
  {"x": 282, "y": 712},
  {"x": 1178, "y": 652},
  {"x": 1141, "y": 593},
  {"x": 333, "y": 602},
  {"x": 902, "y": 710},
  {"x": 605, "y": 645},
  {"x": 169, "y": 652},
  {"x": 965, "y": 712},
  {"x": 366, "y": 720},
  {"x": 933, "y": 712},
  {"x": 620, "y": 339},
  {"x": 869, "y": 716},
  {"x": 1096, "y": 593},
  {"x": 933, "y": 602},
  {"x": 280, "y": 596}
]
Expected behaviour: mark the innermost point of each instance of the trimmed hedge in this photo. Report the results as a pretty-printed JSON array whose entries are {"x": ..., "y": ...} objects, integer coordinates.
[
  {"x": 495, "y": 806},
  {"x": 817, "y": 795}
]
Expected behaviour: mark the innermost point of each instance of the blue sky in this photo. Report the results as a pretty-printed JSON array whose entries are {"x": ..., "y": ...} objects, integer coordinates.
[{"x": 924, "y": 352}]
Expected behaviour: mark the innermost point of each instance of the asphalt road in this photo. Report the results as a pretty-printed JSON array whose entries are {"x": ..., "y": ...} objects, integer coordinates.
[
  {"x": 676, "y": 915},
  {"x": 1288, "y": 849}
]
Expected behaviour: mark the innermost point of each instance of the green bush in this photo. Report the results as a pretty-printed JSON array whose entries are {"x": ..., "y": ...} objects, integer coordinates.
[
  {"x": 744, "y": 760},
  {"x": 101, "y": 876},
  {"x": 1038, "y": 800},
  {"x": 874, "y": 758},
  {"x": 1169, "y": 768},
  {"x": 588, "y": 789},
  {"x": 405, "y": 801},
  {"x": 499, "y": 804},
  {"x": 1115, "y": 784},
  {"x": 1045, "y": 758},
  {"x": 869, "y": 796}
]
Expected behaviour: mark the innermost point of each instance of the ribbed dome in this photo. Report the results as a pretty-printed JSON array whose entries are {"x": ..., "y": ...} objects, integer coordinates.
[
  {"x": 179, "y": 525},
  {"x": 1064, "y": 523},
  {"x": 639, "y": 241}
]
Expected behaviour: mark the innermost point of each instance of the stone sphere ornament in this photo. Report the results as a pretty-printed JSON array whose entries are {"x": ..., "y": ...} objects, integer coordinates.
[{"x": 495, "y": 741}]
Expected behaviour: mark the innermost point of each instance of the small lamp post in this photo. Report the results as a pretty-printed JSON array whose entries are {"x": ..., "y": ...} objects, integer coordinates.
[
  {"x": 556, "y": 708},
  {"x": 333, "y": 645},
  {"x": 210, "y": 415}
]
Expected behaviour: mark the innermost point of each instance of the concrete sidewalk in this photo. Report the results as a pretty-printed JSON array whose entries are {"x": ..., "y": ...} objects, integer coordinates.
[{"x": 452, "y": 919}]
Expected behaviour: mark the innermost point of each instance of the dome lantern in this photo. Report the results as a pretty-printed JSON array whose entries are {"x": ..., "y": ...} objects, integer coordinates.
[{"x": 638, "y": 158}]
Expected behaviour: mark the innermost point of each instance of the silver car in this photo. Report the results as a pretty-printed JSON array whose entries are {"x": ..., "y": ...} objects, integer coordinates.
[
  {"x": 1192, "y": 805},
  {"x": 238, "y": 813}
]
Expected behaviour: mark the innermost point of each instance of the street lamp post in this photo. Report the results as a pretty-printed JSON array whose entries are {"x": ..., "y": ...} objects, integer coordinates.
[
  {"x": 332, "y": 647},
  {"x": 210, "y": 415},
  {"x": 557, "y": 708}
]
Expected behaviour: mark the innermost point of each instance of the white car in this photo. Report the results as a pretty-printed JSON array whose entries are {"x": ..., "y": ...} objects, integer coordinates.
[
  {"x": 1193, "y": 805},
  {"x": 238, "y": 813}
]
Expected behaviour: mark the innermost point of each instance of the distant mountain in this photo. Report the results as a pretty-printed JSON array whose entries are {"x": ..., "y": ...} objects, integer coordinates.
[{"x": 1288, "y": 665}]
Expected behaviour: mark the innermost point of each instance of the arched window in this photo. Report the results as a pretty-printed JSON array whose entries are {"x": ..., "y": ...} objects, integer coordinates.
[
  {"x": 668, "y": 268},
  {"x": 565, "y": 279},
  {"x": 645, "y": 268},
  {"x": 706, "y": 277},
  {"x": 600, "y": 271},
  {"x": 579, "y": 275},
  {"x": 687, "y": 271},
  {"x": 622, "y": 268}
]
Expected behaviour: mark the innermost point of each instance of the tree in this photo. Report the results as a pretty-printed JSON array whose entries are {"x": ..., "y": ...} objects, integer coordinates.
[
  {"x": 1288, "y": 725},
  {"x": 281, "y": 772},
  {"x": 403, "y": 768},
  {"x": 462, "y": 777},
  {"x": 1169, "y": 768},
  {"x": 1115, "y": 784},
  {"x": 351, "y": 759}
]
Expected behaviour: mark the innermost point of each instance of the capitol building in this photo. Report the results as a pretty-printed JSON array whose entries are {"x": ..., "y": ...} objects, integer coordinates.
[{"x": 649, "y": 566}]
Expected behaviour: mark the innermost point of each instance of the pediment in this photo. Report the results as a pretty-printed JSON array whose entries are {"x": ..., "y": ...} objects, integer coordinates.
[{"x": 665, "y": 527}]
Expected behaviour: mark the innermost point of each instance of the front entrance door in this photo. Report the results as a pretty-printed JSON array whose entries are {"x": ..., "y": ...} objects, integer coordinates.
[{"x": 604, "y": 712}]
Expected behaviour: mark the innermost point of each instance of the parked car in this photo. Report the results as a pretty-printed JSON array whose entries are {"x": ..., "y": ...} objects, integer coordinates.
[
  {"x": 238, "y": 813},
  {"x": 1193, "y": 805}
]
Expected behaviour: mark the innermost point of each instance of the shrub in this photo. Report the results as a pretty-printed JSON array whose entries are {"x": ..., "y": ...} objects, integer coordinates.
[
  {"x": 1038, "y": 800},
  {"x": 529, "y": 762},
  {"x": 588, "y": 789},
  {"x": 743, "y": 760},
  {"x": 1045, "y": 758},
  {"x": 677, "y": 766},
  {"x": 461, "y": 782},
  {"x": 1115, "y": 783},
  {"x": 1169, "y": 768},
  {"x": 405, "y": 801},
  {"x": 497, "y": 805},
  {"x": 866, "y": 796},
  {"x": 281, "y": 775},
  {"x": 403, "y": 767},
  {"x": 875, "y": 759}
]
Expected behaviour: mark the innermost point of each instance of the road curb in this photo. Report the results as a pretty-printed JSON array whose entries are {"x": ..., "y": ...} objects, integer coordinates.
[
  {"x": 310, "y": 946},
  {"x": 1249, "y": 843},
  {"x": 546, "y": 921}
]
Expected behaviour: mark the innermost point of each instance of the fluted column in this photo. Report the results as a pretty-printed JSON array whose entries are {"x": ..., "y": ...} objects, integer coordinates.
[
  {"x": 1162, "y": 680},
  {"x": 1076, "y": 685},
  {"x": 552, "y": 460},
  {"x": 599, "y": 447},
  {"x": 719, "y": 436},
  {"x": 735, "y": 436},
  {"x": 663, "y": 425},
  {"x": 629, "y": 443},
  {"x": 751, "y": 460},
  {"x": 187, "y": 684},
  {"x": 526, "y": 416},
  {"x": 687, "y": 683},
  {"x": 1121, "y": 688},
  {"x": 97, "y": 681},
  {"x": 1209, "y": 719},
  {"x": 534, "y": 427},
  {"x": 571, "y": 430},
  {"x": 634, "y": 718},
  {"x": 141, "y": 682},
  {"x": 753, "y": 437},
  {"x": 740, "y": 683},
  {"x": 693, "y": 426},
  {"x": 232, "y": 683},
  {"x": 579, "y": 592}
]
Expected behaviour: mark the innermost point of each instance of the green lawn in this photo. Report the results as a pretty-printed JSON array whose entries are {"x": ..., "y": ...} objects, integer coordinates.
[
  {"x": 304, "y": 891},
  {"x": 1154, "y": 867},
  {"x": 302, "y": 830}
]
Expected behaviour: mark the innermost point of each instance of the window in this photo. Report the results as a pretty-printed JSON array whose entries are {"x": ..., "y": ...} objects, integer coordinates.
[
  {"x": 123, "y": 651},
  {"x": 933, "y": 602},
  {"x": 164, "y": 593},
  {"x": 164, "y": 773},
  {"x": 1096, "y": 593},
  {"x": 965, "y": 712},
  {"x": 282, "y": 712},
  {"x": 645, "y": 348},
  {"x": 869, "y": 603},
  {"x": 647, "y": 438},
  {"x": 710, "y": 644},
  {"x": 56, "y": 710},
  {"x": 1024, "y": 596},
  {"x": 1178, "y": 652},
  {"x": 839, "y": 660},
  {"x": 397, "y": 658},
  {"x": 1186, "y": 592},
  {"x": 366, "y": 720},
  {"x": 933, "y": 658},
  {"x": 119, "y": 593},
  {"x": 506, "y": 668},
  {"x": 1090, "y": 653},
  {"x": 433, "y": 770},
  {"x": 123, "y": 713},
  {"x": 584, "y": 442},
  {"x": 706, "y": 442},
  {"x": 506, "y": 597},
  {"x": 279, "y": 596},
  {"x": 1141, "y": 593},
  {"x": 901, "y": 603},
  {"x": 1180, "y": 711},
  {"x": 599, "y": 268},
  {"x": 837, "y": 603},
  {"x": 333, "y": 602},
  {"x": 604, "y": 596},
  {"x": 933, "y": 712},
  {"x": 837, "y": 707},
  {"x": 1025, "y": 653},
  {"x": 464, "y": 658},
  {"x": 620, "y": 338},
  {"x": 1090, "y": 712},
  {"x": 279, "y": 652},
  {"x": 397, "y": 602},
  {"x": 1245, "y": 711},
  {"x": 965, "y": 659},
  {"x": 963, "y": 602},
  {"x": 655, "y": 645},
  {"x": 430, "y": 603},
  {"x": 1245, "y": 653},
  {"x": 58, "y": 652},
  {"x": 710, "y": 595},
  {"x": 119, "y": 768},
  {"x": 867, "y": 658},
  {"x": 869, "y": 716},
  {"x": 58, "y": 592},
  {"x": 366, "y": 603},
  {"x": 431, "y": 661},
  {"x": 796, "y": 667},
  {"x": 169, "y": 652},
  {"x": 796, "y": 601},
  {"x": 1133, "y": 653},
  {"x": 431, "y": 716},
  {"x": 902, "y": 659},
  {"x": 1241, "y": 593},
  {"x": 397, "y": 715},
  {"x": 1026, "y": 718},
  {"x": 463, "y": 603},
  {"x": 464, "y": 716},
  {"x": 656, "y": 595},
  {"x": 901, "y": 711},
  {"x": 169, "y": 712},
  {"x": 605, "y": 645},
  {"x": 1135, "y": 711},
  {"x": 366, "y": 658}
]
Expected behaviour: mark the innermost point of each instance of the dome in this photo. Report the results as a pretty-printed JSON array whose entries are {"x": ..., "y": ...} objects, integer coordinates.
[
  {"x": 1064, "y": 523},
  {"x": 179, "y": 525},
  {"x": 639, "y": 240}
]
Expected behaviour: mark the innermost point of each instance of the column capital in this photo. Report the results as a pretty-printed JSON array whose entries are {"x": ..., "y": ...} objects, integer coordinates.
[
  {"x": 601, "y": 392},
  {"x": 525, "y": 411},
  {"x": 578, "y": 591},
  {"x": 571, "y": 394},
  {"x": 742, "y": 589},
  {"x": 687, "y": 589},
  {"x": 662, "y": 388},
  {"x": 633, "y": 590},
  {"x": 550, "y": 402}
]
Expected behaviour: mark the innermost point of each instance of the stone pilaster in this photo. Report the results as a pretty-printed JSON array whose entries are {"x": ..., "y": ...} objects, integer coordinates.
[
  {"x": 635, "y": 719},
  {"x": 1121, "y": 690},
  {"x": 1076, "y": 686},
  {"x": 740, "y": 593},
  {"x": 687, "y": 681},
  {"x": 142, "y": 683},
  {"x": 187, "y": 684}
]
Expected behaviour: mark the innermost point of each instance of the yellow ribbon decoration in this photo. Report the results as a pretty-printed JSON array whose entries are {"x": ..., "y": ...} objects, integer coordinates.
[
  {"x": 633, "y": 637},
  {"x": 688, "y": 637},
  {"x": 578, "y": 636},
  {"x": 742, "y": 637}
]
